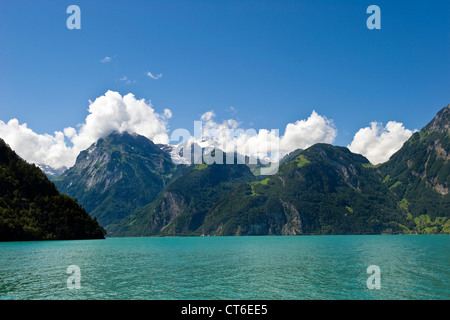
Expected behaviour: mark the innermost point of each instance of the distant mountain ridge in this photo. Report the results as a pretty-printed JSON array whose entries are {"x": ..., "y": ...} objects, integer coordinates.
[
  {"x": 51, "y": 172},
  {"x": 321, "y": 190}
]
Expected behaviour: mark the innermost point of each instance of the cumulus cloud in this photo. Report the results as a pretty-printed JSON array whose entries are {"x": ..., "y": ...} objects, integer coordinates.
[
  {"x": 106, "y": 60},
  {"x": 113, "y": 112},
  {"x": 378, "y": 143},
  {"x": 304, "y": 133},
  {"x": 150, "y": 75},
  {"x": 230, "y": 137},
  {"x": 37, "y": 148},
  {"x": 207, "y": 117},
  {"x": 108, "y": 113}
]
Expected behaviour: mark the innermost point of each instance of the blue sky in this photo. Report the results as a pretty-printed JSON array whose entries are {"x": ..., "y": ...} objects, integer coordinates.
[{"x": 272, "y": 61}]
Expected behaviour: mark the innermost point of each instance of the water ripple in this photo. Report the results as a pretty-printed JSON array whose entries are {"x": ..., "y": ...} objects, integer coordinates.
[{"x": 294, "y": 267}]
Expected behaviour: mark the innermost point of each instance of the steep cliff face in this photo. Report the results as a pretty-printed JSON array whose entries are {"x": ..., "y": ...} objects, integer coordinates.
[
  {"x": 116, "y": 175},
  {"x": 435, "y": 141},
  {"x": 293, "y": 225}
]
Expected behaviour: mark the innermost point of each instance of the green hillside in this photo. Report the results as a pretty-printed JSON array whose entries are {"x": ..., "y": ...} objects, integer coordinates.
[
  {"x": 183, "y": 205},
  {"x": 323, "y": 190},
  {"x": 418, "y": 176},
  {"x": 32, "y": 209}
]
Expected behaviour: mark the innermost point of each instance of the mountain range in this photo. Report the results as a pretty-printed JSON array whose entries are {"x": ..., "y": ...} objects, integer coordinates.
[{"x": 132, "y": 187}]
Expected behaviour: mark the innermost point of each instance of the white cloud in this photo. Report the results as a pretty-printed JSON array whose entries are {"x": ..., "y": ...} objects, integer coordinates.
[
  {"x": 158, "y": 76},
  {"x": 208, "y": 116},
  {"x": 108, "y": 113},
  {"x": 378, "y": 143},
  {"x": 229, "y": 137},
  {"x": 304, "y": 133},
  {"x": 106, "y": 60},
  {"x": 113, "y": 112},
  {"x": 126, "y": 80},
  {"x": 37, "y": 148},
  {"x": 70, "y": 132}
]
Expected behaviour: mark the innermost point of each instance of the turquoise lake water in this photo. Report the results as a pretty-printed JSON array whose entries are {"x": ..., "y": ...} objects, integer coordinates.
[{"x": 231, "y": 268}]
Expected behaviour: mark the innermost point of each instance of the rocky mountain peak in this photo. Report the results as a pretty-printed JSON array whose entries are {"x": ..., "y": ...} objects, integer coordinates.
[
  {"x": 441, "y": 122},
  {"x": 116, "y": 174}
]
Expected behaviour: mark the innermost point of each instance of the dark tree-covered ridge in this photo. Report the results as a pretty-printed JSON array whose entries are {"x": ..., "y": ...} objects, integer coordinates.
[{"x": 31, "y": 208}]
